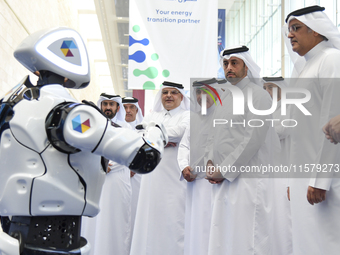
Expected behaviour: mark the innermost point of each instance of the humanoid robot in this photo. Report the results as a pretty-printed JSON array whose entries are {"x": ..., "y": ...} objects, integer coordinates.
[{"x": 53, "y": 149}]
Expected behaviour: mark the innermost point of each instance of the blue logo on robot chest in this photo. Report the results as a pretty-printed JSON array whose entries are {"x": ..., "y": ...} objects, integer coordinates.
[{"x": 80, "y": 126}]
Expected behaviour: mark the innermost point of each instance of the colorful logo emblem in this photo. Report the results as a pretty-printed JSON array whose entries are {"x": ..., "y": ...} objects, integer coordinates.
[
  {"x": 213, "y": 90},
  {"x": 79, "y": 126},
  {"x": 66, "y": 48}
]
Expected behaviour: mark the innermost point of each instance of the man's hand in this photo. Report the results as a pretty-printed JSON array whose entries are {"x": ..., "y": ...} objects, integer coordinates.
[
  {"x": 170, "y": 144},
  {"x": 188, "y": 175},
  {"x": 214, "y": 175},
  {"x": 332, "y": 129},
  {"x": 108, "y": 168},
  {"x": 315, "y": 195}
]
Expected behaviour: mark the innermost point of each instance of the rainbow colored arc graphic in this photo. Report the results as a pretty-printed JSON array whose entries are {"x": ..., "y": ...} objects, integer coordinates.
[
  {"x": 66, "y": 48},
  {"x": 209, "y": 93},
  {"x": 79, "y": 126}
]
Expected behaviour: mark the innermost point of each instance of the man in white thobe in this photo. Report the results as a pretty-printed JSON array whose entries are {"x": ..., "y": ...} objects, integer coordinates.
[
  {"x": 190, "y": 160},
  {"x": 110, "y": 231},
  {"x": 159, "y": 223},
  {"x": 315, "y": 201},
  {"x": 282, "y": 225},
  {"x": 241, "y": 217},
  {"x": 134, "y": 116}
]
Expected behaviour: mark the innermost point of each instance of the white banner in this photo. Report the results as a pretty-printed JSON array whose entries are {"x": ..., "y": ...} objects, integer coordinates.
[{"x": 171, "y": 40}]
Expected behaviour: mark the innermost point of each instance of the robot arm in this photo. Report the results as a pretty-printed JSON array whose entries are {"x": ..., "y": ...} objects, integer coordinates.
[
  {"x": 140, "y": 154},
  {"x": 72, "y": 127}
]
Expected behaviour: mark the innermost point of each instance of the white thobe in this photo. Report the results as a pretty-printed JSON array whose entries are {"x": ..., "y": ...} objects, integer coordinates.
[
  {"x": 316, "y": 229},
  {"x": 132, "y": 124},
  {"x": 110, "y": 231},
  {"x": 241, "y": 212},
  {"x": 159, "y": 223},
  {"x": 199, "y": 192},
  {"x": 282, "y": 225},
  {"x": 135, "y": 186}
]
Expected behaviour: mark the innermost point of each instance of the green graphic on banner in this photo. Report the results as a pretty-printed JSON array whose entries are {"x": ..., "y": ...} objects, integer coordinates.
[
  {"x": 149, "y": 85},
  {"x": 154, "y": 56},
  {"x": 136, "y": 28},
  {"x": 151, "y": 72},
  {"x": 166, "y": 73}
]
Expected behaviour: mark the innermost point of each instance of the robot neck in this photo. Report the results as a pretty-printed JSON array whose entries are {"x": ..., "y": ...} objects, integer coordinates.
[{"x": 47, "y": 77}]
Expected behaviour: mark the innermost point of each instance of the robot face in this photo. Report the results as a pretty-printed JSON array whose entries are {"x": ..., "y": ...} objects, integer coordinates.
[{"x": 61, "y": 51}]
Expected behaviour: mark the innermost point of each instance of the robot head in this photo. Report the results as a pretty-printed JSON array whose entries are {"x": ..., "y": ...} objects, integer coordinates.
[{"x": 60, "y": 51}]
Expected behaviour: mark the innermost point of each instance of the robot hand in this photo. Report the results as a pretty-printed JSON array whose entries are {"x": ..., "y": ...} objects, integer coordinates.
[
  {"x": 155, "y": 137},
  {"x": 153, "y": 134}
]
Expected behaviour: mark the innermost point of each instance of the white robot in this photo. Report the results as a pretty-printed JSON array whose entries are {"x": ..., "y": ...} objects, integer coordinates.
[{"x": 52, "y": 149}]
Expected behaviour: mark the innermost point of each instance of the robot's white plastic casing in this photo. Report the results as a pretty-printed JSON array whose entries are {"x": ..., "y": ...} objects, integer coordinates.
[
  {"x": 40, "y": 179},
  {"x": 59, "y": 50},
  {"x": 45, "y": 181}
]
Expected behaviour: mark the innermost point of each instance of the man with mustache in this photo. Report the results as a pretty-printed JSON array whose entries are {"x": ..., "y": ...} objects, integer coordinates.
[
  {"x": 241, "y": 212},
  {"x": 159, "y": 223},
  {"x": 112, "y": 107},
  {"x": 110, "y": 232},
  {"x": 134, "y": 115},
  {"x": 315, "y": 202}
]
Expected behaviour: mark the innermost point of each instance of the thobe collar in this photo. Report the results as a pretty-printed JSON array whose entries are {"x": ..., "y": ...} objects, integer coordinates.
[
  {"x": 117, "y": 121},
  {"x": 114, "y": 119},
  {"x": 243, "y": 83},
  {"x": 172, "y": 112},
  {"x": 315, "y": 50},
  {"x": 133, "y": 123}
]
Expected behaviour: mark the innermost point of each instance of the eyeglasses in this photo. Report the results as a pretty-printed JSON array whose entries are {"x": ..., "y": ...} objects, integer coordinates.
[
  {"x": 293, "y": 29},
  {"x": 172, "y": 92}
]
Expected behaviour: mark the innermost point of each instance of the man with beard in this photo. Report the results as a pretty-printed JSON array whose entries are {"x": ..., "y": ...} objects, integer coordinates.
[
  {"x": 241, "y": 211},
  {"x": 315, "y": 202},
  {"x": 111, "y": 105},
  {"x": 110, "y": 231}
]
